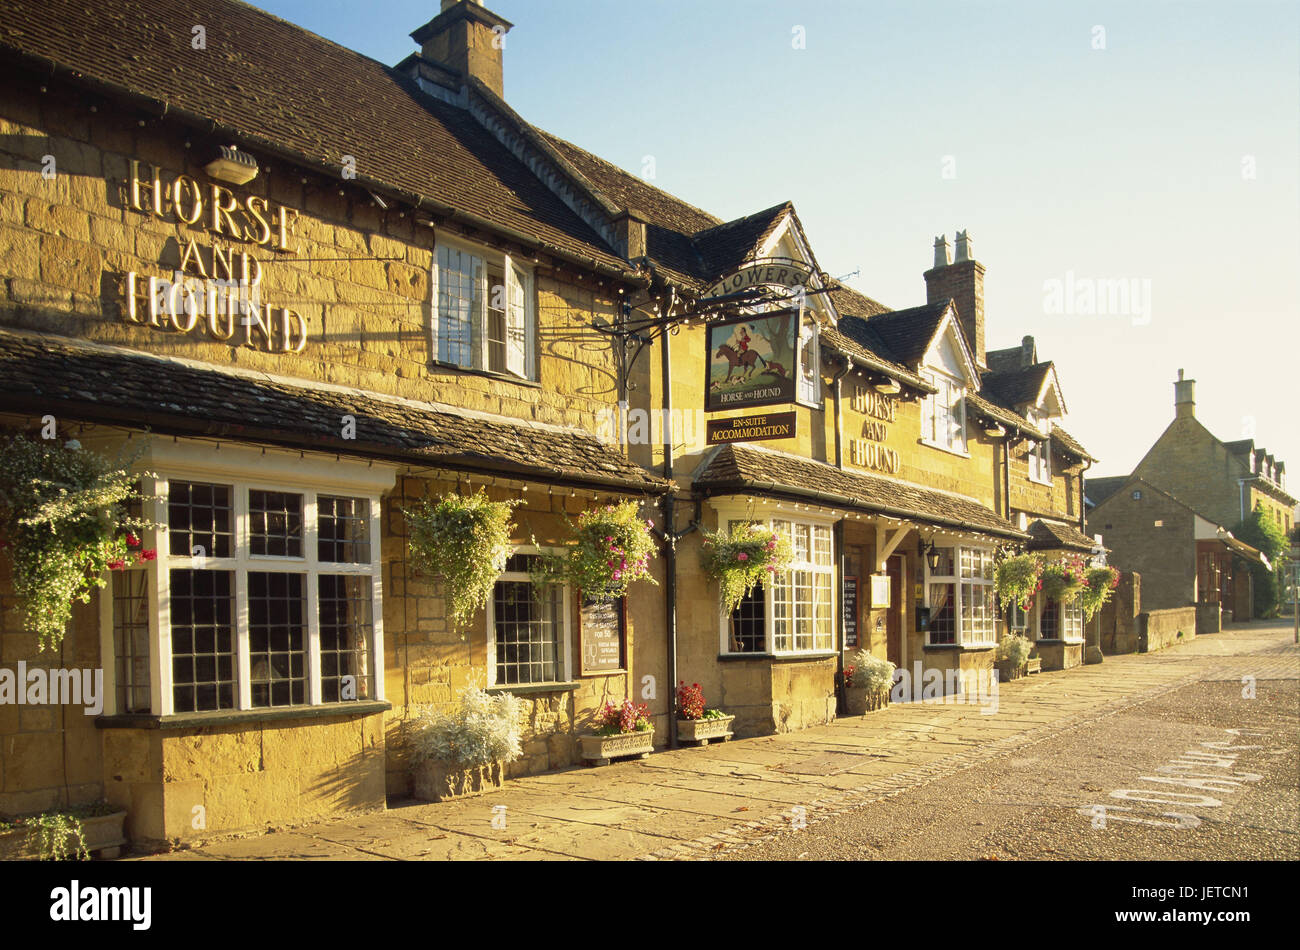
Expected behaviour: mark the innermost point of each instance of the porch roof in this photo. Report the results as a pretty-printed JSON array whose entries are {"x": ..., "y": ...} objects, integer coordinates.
[{"x": 749, "y": 468}]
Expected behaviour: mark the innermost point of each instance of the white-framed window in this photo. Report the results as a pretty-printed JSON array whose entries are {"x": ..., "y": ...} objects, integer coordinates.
[
  {"x": 527, "y": 631},
  {"x": 959, "y": 593},
  {"x": 1057, "y": 621},
  {"x": 943, "y": 414},
  {"x": 795, "y": 613},
  {"x": 262, "y": 594},
  {"x": 809, "y": 362},
  {"x": 484, "y": 311},
  {"x": 1040, "y": 453}
]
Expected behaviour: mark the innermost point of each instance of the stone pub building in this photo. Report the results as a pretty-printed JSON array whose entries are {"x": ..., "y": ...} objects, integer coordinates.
[{"x": 359, "y": 216}]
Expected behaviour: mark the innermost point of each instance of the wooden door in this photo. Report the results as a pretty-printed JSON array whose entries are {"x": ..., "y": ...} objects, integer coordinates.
[{"x": 894, "y": 618}]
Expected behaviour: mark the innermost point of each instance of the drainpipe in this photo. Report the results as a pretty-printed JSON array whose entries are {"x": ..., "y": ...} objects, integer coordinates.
[
  {"x": 839, "y": 420},
  {"x": 1006, "y": 477},
  {"x": 670, "y": 554},
  {"x": 1083, "y": 509},
  {"x": 838, "y": 534}
]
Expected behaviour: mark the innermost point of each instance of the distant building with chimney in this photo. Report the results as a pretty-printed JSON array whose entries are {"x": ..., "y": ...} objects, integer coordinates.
[{"x": 1171, "y": 518}]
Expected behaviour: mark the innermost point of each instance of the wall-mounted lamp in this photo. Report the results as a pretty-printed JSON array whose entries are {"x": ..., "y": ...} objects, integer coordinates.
[
  {"x": 232, "y": 166},
  {"x": 931, "y": 555},
  {"x": 888, "y": 387}
]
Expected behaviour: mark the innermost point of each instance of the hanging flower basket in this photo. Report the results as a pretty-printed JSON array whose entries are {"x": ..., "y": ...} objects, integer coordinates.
[
  {"x": 742, "y": 558},
  {"x": 611, "y": 549},
  {"x": 64, "y": 522},
  {"x": 1016, "y": 579},
  {"x": 1101, "y": 582},
  {"x": 1062, "y": 582},
  {"x": 465, "y": 540}
]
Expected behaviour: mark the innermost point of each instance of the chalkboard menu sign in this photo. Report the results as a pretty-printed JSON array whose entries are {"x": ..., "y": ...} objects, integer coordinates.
[
  {"x": 602, "y": 634},
  {"x": 850, "y": 611}
]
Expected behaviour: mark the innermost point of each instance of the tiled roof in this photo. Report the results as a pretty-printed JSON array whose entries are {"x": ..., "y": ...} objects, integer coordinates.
[
  {"x": 727, "y": 245},
  {"x": 1239, "y": 447},
  {"x": 903, "y": 336},
  {"x": 835, "y": 341},
  {"x": 1070, "y": 444},
  {"x": 1003, "y": 416},
  {"x": 1052, "y": 535},
  {"x": 1097, "y": 490},
  {"x": 1015, "y": 387},
  {"x": 96, "y": 383},
  {"x": 1000, "y": 361},
  {"x": 851, "y": 303},
  {"x": 748, "y": 468},
  {"x": 282, "y": 89}
]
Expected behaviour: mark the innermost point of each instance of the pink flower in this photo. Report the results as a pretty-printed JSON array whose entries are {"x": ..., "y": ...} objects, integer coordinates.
[{"x": 742, "y": 556}]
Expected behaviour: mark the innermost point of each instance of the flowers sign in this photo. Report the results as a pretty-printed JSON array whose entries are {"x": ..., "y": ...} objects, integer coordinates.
[
  {"x": 466, "y": 540},
  {"x": 742, "y": 558}
]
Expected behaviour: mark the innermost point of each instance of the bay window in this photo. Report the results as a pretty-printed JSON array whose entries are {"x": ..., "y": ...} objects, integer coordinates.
[
  {"x": 260, "y": 596},
  {"x": 795, "y": 613},
  {"x": 959, "y": 592},
  {"x": 484, "y": 314},
  {"x": 943, "y": 414}
]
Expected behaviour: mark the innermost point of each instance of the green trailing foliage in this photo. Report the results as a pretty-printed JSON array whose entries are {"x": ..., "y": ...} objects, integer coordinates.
[
  {"x": 64, "y": 523},
  {"x": 1100, "y": 584},
  {"x": 1261, "y": 531},
  {"x": 742, "y": 558},
  {"x": 610, "y": 549},
  {"x": 1017, "y": 578},
  {"x": 465, "y": 540}
]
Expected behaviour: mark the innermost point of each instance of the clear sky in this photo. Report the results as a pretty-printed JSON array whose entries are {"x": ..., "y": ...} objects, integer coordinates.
[{"x": 1156, "y": 143}]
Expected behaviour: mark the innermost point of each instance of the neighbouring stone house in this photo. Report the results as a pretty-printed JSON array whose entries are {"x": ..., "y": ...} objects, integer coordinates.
[
  {"x": 1171, "y": 518},
  {"x": 437, "y": 297}
]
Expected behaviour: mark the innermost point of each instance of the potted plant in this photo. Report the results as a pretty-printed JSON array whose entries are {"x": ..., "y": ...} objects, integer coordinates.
[
  {"x": 1012, "y": 657},
  {"x": 1100, "y": 584},
  {"x": 610, "y": 550},
  {"x": 64, "y": 522},
  {"x": 695, "y": 723},
  {"x": 742, "y": 558},
  {"x": 867, "y": 683},
  {"x": 465, "y": 540},
  {"x": 620, "y": 731},
  {"x": 66, "y": 834},
  {"x": 464, "y": 752}
]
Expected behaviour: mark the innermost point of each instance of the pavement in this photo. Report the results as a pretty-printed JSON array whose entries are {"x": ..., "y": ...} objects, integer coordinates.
[{"x": 746, "y": 798}]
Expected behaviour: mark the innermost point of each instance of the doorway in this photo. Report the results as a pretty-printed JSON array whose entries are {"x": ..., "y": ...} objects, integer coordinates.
[{"x": 894, "y": 616}]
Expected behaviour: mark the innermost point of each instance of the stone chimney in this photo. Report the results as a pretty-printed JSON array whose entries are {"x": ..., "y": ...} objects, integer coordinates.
[
  {"x": 962, "y": 281},
  {"x": 1184, "y": 397},
  {"x": 1028, "y": 352},
  {"x": 468, "y": 38}
]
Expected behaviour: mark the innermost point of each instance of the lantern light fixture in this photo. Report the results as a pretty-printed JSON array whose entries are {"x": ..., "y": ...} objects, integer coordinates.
[{"x": 232, "y": 166}]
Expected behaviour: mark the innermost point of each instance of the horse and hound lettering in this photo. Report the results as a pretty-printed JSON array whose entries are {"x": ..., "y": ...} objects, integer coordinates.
[{"x": 751, "y": 361}]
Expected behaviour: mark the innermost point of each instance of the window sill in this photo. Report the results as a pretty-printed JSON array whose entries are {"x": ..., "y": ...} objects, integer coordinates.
[
  {"x": 959, "y": 647},
  {"x": 535, "y": 687},
  {"x": 222, "y": 717},
  {"x": 960, "y": 453},
  {"x": 1047, "y": 483},
  {"x": 814, "y": 655},
  {"x": 486, "y": 373}
]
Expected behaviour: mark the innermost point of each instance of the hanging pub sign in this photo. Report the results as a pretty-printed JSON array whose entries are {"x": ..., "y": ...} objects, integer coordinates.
[
  {"x": 779, "y": 425},
  {"x": 751, "y": 361}
]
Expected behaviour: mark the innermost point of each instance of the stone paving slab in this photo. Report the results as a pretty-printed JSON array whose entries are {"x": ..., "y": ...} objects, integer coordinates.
[{"x": 695, "y": 802}]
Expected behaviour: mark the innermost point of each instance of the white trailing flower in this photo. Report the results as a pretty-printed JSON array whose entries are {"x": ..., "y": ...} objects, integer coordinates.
[
  {"x": 872, "y": 672},
  {"x": 485, "y": 728}
]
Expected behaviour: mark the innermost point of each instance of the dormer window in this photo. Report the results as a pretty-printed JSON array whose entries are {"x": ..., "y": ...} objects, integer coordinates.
[
  {"x": 485, "y": 317},
  {"x": 809, "y": 363},
  {"x": 943, "y": 414}
]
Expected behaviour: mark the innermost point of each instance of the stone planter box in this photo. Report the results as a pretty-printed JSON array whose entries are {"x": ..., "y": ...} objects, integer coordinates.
[
  {"x": 702, "y": 730},
  {"x": 1008, "y": 672},
  {"x": 103, "y": 833},
  {"x": 858, "y": 700},
  {"x": 599, "y": 750},
  {"x": 437, "y": 781}
]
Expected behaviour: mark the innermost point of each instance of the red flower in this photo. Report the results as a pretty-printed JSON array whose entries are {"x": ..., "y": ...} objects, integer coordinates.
[
  {"x": 132, "y": 541},
  {"x": 116, "y": 565},
  {"x": 143, "y": 556}
]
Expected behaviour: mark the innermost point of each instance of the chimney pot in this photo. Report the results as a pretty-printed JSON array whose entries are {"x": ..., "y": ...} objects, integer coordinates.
[
  {"x": 1184, "y": 397},
  {"x": 941, "y": 258},
  {"x": 964, "y": 252}
]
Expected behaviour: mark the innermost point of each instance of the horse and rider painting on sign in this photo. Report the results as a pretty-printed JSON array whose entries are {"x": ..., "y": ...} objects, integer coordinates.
[{"x": 752, "y": 361}]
